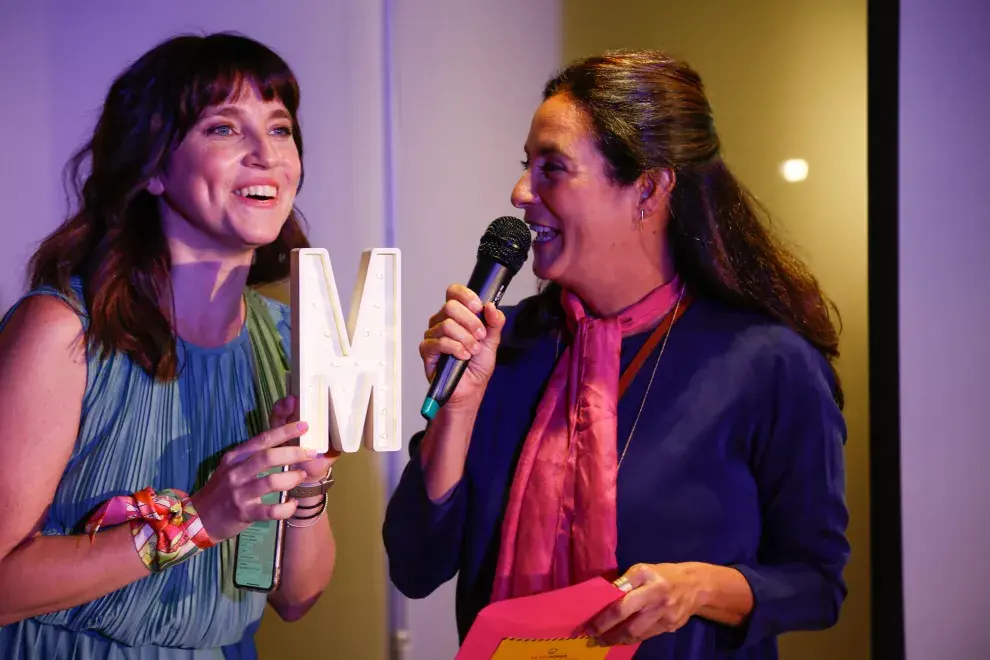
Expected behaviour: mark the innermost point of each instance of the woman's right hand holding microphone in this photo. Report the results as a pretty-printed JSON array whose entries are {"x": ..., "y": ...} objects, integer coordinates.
[{"x": 456, "y": 330}]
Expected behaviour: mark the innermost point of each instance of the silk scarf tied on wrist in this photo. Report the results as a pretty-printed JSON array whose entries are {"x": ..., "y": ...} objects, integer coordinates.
[{"x": 560, "y": 523}]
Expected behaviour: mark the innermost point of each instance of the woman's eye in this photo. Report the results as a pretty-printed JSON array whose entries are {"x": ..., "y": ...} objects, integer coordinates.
[
  {"x": 282, "y": 131},
  {"x": 546, "y": 167},
  {"x": 221, "y": 130}
]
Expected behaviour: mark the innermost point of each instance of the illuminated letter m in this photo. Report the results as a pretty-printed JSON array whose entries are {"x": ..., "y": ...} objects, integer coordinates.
[{"x": 347, "y": 376}]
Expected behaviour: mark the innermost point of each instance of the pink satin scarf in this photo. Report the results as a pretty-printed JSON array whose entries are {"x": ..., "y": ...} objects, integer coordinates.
[{"x": 560, "y": 524}]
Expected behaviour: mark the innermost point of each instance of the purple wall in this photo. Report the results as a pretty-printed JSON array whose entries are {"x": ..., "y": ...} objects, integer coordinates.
[{"x": 944, "y": 314}]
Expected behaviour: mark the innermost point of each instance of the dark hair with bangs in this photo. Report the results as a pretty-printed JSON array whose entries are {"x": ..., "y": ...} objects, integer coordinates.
[{"x": 114, "y": 241}]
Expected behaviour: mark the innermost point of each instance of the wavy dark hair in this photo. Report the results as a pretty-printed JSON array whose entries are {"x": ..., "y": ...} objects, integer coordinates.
[
  {"x": 114, "y": 242},
  {"x": 649, "y": 112}
]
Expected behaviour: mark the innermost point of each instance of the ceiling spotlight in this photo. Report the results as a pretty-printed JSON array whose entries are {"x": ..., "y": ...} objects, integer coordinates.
[{"x": 794, "y": 170}]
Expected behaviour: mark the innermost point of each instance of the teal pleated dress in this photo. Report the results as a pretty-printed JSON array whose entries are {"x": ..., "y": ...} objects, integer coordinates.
[{"x": 135, "y": 433}]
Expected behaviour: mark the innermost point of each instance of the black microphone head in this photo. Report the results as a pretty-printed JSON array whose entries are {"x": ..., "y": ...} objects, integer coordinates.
[{"x": 507, "y": 241}]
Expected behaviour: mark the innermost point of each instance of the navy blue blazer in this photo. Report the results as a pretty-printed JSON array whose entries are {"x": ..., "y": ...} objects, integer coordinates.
[{"x": 737, "y": 460}]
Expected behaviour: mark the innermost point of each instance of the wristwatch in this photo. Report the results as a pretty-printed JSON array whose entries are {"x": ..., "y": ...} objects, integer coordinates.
[{"x": 318, "y": 488}]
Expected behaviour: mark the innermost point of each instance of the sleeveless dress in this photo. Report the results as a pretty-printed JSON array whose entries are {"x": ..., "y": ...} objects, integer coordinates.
[{"x": 133, "y": 433}]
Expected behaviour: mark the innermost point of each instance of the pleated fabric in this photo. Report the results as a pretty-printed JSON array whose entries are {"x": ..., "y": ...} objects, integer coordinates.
[{"x": 135, "y": 432}]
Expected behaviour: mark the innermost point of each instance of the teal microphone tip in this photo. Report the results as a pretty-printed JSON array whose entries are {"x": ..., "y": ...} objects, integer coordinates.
[{"x": 429, "y": 409}]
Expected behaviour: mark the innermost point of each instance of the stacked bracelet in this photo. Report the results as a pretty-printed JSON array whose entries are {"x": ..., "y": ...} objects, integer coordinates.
[
  {"x": 315, "y": 518},
  {"x": 164, "y": 525},
  {"x": 320, "y": 487}
]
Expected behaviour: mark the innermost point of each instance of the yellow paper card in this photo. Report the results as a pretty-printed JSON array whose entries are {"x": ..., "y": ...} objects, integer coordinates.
[{"x": 549, "y": 649}]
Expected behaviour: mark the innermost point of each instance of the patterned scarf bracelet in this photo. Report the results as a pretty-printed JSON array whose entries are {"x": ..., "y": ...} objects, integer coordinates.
[{"x": 165, "y": 526}]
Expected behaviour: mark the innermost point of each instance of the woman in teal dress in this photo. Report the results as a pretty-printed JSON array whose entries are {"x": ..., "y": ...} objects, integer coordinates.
[{"x": 140, "y": 364}]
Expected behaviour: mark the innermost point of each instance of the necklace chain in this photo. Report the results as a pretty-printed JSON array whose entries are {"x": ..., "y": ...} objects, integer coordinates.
[{"x": 642, "y": 404}]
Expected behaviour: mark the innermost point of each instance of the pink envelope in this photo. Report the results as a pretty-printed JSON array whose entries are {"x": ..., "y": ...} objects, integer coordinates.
[{"x": 543, "y": 625}]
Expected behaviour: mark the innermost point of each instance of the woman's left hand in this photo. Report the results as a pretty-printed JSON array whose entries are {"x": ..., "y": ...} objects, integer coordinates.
[
  {"x": 283, "y": 412},
  {"x": 660, "y": 598}
]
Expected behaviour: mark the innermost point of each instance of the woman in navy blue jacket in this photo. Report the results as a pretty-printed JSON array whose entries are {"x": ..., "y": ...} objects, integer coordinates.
[{"x": 664, "y": 413}]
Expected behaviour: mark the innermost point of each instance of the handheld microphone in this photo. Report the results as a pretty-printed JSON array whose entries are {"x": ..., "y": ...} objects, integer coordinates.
[{"x": 502, "y": 252}]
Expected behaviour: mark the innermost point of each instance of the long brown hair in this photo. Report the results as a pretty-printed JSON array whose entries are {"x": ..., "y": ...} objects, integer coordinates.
[
  {"x": 649, "y": 112},
  {"x": 114, "y": 242}
]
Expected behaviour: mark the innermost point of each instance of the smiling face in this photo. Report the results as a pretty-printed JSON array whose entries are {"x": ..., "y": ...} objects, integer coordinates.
[
  {"x": 230, "y": 185},
  {"x": 588, "y": 233}
]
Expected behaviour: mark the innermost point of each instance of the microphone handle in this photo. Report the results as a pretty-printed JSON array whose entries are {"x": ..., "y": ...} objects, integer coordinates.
[{"x": 489, "y": 280}]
